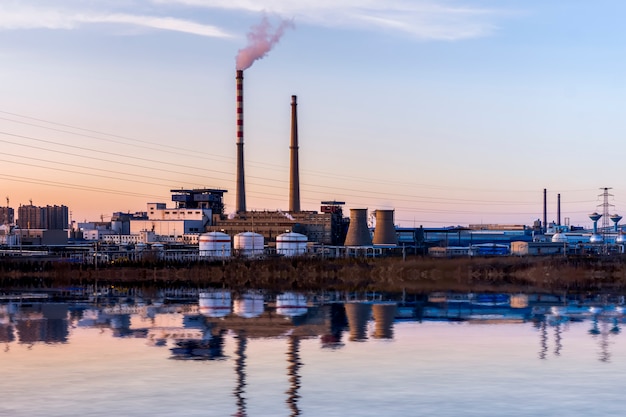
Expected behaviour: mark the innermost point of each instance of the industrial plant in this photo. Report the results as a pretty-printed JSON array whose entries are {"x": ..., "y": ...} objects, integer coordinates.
[{"x": 197, "y": 227}]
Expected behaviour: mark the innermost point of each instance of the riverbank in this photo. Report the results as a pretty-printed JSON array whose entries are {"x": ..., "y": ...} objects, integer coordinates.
[{"x": 411, "y": 275}]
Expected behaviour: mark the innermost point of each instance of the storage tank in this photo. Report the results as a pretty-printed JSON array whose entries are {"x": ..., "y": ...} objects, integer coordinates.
[
  {"x": 249, "y": 244},
  {"x": 291, "y": 244},
  {"x": 214, "y": 245},
  {"x": 214, "y": 303}
]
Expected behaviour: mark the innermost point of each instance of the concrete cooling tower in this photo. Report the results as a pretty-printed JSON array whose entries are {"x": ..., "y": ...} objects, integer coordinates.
[
  {"x": 358, "y": 232},
  {"x": 385, "y": 232}
]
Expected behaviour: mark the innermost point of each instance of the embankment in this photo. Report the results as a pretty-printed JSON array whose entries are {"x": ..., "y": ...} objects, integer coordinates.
[{"x": 413, "y": 275}]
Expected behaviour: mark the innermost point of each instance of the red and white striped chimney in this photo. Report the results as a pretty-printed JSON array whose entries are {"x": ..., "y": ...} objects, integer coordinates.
[{"x": 241, "y": 186}]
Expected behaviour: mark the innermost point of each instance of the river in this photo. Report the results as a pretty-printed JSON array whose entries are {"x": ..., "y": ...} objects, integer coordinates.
[{"x": 289, "y": 357}]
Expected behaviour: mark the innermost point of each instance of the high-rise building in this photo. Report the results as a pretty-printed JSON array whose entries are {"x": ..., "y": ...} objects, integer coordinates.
[
  {"x": 7, "y": 215},
  {"x": 49, "y": 217}
]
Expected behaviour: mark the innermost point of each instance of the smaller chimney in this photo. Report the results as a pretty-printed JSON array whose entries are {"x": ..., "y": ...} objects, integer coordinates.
[
  {"x": 545, "y": 210},
  {"x": 558, "y": 209},
  {"x": 294, "y": 177}
]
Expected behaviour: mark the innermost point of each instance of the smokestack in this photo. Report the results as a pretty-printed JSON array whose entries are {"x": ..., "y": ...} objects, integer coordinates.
[
  {"x": 545, "y": 210},
  {"x": 241, "y": 186},
  {"x": 558, "y": 209},
  {"x": 294, "y": 177}
]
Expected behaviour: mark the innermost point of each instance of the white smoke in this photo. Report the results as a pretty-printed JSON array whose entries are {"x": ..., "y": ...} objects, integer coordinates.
[{"x": 261, "y": 39}]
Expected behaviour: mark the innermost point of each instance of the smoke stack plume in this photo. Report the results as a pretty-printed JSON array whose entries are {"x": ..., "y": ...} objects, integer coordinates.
[
  {"x": 261, "y": 39},
  {"x": 241, "y": 186},
  {"x": 294, "y": 177}
]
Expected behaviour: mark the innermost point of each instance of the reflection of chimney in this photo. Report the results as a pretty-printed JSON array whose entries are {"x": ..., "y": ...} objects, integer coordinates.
[
  {"x": 385, "y": 231},
  {"x": 241, "y": 187},
  {"x": 294, "y": 177},
  {"x": 358, "y": 232}
]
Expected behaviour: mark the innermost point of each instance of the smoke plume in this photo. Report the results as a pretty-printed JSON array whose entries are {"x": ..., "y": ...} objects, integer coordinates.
[{"x": 261, "y": 39}]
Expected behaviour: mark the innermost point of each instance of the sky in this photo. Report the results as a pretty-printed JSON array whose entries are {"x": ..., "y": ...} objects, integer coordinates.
[{"x": 450, "y": 112}]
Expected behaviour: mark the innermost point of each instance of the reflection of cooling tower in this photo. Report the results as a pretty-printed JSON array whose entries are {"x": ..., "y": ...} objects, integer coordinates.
[
  {"x": 383, "y": 318},
  {"x": 385, "y": 232},
  {"x": 358, "y": 233},
  {"x": 241, "y": 188},
  {"x": 358, "y": 315},
  {"x": 294, "y": 177}
]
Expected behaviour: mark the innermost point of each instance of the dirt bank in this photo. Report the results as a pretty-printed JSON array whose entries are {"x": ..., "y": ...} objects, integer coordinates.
[{"x": 413, "y": 275}]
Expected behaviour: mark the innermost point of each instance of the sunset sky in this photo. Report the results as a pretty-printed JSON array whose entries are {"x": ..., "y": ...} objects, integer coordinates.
[{"x": 450, "y": 112}]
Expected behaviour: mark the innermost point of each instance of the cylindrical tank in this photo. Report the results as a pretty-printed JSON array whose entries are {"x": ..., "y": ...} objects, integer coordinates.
[
  {"x": 214, "y": 245},
  {"x": 385, "y": 231},
  {"x": 291, "y": 244},
  {"x": 559, "y": 238},
  {"x": 358, "y": 232},
  {"x": 248, "y": 243}
]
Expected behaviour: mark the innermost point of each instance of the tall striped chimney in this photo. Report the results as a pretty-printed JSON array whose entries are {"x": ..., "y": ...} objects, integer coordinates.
[
  {"x": 294, "y": 177},
  {"x": 241, "y": 186}
]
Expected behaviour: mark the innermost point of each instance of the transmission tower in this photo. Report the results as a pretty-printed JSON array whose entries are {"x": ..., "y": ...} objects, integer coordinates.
[{"x": 605, "y": 209}]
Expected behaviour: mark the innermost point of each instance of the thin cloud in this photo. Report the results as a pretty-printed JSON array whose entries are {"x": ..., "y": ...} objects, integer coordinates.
[
  {"x": 423, "y": 19},
  {"x": 19, "y": 17}
]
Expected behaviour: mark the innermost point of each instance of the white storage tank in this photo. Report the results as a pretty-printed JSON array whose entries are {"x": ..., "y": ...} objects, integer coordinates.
[
  {"x": 214, "y": 245},
  {"x": 249, "y": 243},
  {"x": 291, "y": 244}
]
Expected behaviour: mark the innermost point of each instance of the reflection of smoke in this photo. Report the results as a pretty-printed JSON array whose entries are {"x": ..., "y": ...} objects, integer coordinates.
[
  {"x": 358, "y": 316},
  {"x": 544, "y": 340},
  {"x": 260, "y": 41},
  {"x": 384, "y": 315},
  {"x": 293, "y": 357},
  {"x": 240, "y": 369}
]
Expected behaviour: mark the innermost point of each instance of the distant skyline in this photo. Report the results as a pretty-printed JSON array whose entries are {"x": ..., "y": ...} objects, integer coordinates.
[{"x": 450, "y": 112}]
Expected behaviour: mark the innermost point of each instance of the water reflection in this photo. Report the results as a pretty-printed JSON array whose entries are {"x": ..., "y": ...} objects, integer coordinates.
[
  {"x": 293, "y": 358},
  {"x": 358, "y": 314},
  {"x": 240, "y": 370}
]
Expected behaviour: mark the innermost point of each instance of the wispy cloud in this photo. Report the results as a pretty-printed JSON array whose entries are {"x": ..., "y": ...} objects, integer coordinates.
[
  {"x": 17, "y": 16},
  {"x": 423, "y": 19}
]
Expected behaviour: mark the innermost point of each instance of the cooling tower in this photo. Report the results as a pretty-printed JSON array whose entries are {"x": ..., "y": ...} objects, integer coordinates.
[
  {"x": 294, "y": 176},
  {"x": 241, "y": 187},
  {"x": 385, "y": 232},
  {"x": 358, "y": 232}
]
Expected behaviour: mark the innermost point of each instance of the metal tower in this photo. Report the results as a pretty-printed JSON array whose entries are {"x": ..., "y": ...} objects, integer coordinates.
[{"x": 605, "y": 209}]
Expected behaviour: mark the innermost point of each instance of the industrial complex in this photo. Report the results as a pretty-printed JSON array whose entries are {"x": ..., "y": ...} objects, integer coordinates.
[{"x": 196, "y": 226}]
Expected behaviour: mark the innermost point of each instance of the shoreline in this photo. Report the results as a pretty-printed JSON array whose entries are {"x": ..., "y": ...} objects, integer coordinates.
[{"x": 394, "y": 275}]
